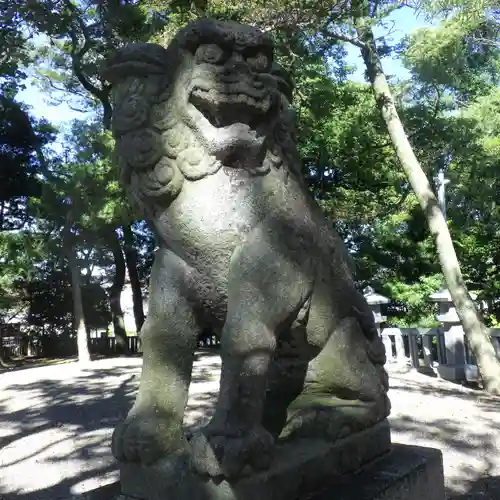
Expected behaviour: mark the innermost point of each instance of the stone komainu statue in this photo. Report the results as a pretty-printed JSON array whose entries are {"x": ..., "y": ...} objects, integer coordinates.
[{"x": 205, "y": 146}]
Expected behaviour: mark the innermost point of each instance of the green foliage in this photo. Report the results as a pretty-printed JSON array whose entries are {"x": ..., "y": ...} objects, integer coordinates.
[
  {"x": 449, "y": 55},
  {"x": 450, "y": 108},
  {"x": 341, "y": 140},
  {"x": 20, "y": 137},
  {"x": 73, "y": 40},
  {"x": 457, "y": 62},
  {"x": 19, "y": 254},
  {"x": 353, "y": 172},
  {"x": 15, "y": 52},
  {"x": 51, "y": 304},
  {"x": 420, "y": 311},
  {"x": 83, "y": 182}
]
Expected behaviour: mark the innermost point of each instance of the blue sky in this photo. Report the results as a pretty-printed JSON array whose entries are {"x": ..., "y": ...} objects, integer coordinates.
[{"x": 401, "y": 22}]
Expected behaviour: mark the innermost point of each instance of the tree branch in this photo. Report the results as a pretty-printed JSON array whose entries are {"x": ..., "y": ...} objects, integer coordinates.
[
  {"x": 374, "y": 8},
  {"x": 73, "y": 107},
  {"x": 52, "y": 84},
  {"x": 14, "y": 314},
  {"x": 76, "y": 62},
  {"x": 347, "y": 38},
  {"x": 483, "y": 41},
  {"x": 438, "y": 100}
]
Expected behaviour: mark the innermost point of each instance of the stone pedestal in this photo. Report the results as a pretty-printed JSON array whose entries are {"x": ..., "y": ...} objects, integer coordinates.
[
  {"x": 406, "y": 473},
  {"x": 363, "y": 467},
  {"x": 301, "y": 469}
]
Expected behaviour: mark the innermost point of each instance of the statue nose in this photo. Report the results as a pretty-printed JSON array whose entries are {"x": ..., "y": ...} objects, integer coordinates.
[{"x": 236, "y": 63}]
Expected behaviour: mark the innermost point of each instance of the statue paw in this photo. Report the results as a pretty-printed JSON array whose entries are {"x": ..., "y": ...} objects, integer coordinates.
[
  {"x": 333, "y": 418},
  {"x": 315, "y": 423},
  {"x": 146, "y": 438},
  {"x": 226, "y": 454}
]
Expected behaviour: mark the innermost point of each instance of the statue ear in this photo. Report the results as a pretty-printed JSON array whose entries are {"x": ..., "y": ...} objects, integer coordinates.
[
  {"x": 285, "y": 83},
  {"x": 135, "y": 59}
]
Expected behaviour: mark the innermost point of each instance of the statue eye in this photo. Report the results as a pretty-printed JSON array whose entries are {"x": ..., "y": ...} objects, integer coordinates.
[
  {"x": 259, "y": 62},
  {"x": 211, "y": 53}
]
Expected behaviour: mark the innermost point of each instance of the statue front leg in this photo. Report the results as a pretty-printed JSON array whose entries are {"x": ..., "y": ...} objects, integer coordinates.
[
  {"x": 265, "y": 290},
  {"x": 153, "y": 427},
  {"x": 234, "y": 439}
]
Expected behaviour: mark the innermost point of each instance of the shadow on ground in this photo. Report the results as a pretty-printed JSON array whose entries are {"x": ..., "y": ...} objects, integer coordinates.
[
  {"x": 483, "y": 489},
  {"x": 461, "y": 422},
  {"x": 56, "y": 424},
  {"x": 486, "y": 488},
  {"x": 56, "y": 429}
]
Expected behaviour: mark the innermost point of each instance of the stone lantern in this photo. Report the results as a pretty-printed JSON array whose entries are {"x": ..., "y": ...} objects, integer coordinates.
[
  {"x": 375, "y": 301},
  {"x": 451, "y": 341}
]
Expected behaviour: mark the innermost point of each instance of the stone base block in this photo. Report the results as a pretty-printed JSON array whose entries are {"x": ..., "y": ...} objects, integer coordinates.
[
  {"x": 406, "y": 473},
  {"x": 453, "y": 373},
  {"x": 472, "y": 373},
  {"x": 300, "y": 470}
]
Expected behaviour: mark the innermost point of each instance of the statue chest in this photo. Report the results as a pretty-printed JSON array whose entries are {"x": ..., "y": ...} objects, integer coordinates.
[{"x": 211, "y": 216}]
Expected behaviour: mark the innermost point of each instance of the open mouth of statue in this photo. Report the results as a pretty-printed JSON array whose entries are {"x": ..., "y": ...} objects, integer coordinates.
[{"x": 223, "y": 109}]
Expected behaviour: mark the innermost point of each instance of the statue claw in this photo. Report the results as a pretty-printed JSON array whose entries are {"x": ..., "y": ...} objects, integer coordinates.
[
  {"x": 228, "y": 455},
  {"x": 146, "y": 438}
]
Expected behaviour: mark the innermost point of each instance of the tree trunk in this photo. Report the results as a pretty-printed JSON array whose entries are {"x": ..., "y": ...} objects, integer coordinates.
[
  {"x": 474, "y": 328},
  {"x": 131, "y": 260},
  {"x": 115, "y": 294},
  {"x": 78, "y": 315},
  {"x": 2, "y": 209}
]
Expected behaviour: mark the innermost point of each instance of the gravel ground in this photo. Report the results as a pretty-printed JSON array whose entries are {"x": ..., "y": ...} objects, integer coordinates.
[{"x": 56, "y": 424}]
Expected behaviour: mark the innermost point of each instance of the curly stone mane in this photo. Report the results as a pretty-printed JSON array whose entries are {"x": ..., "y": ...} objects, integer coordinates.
[{"x": 157, "y": 144}]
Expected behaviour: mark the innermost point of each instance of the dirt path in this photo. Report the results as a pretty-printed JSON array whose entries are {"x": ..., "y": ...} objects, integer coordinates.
[{"x": 56, "y": 423}]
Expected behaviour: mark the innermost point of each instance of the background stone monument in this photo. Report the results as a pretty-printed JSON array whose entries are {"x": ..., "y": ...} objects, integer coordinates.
[{"x": 205, "y": 145}]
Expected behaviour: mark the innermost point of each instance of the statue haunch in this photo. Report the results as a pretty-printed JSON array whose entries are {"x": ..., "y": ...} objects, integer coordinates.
[{"x": 205, "y": 146}]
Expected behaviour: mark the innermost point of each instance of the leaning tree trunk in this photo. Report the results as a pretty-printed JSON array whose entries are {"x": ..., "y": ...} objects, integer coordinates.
[
  {"x": 474, "y": 328},
  {"x": 131, "y": 260},
  {"x": 78, "y": 315},
  {"x": 115, "y": 293}
]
